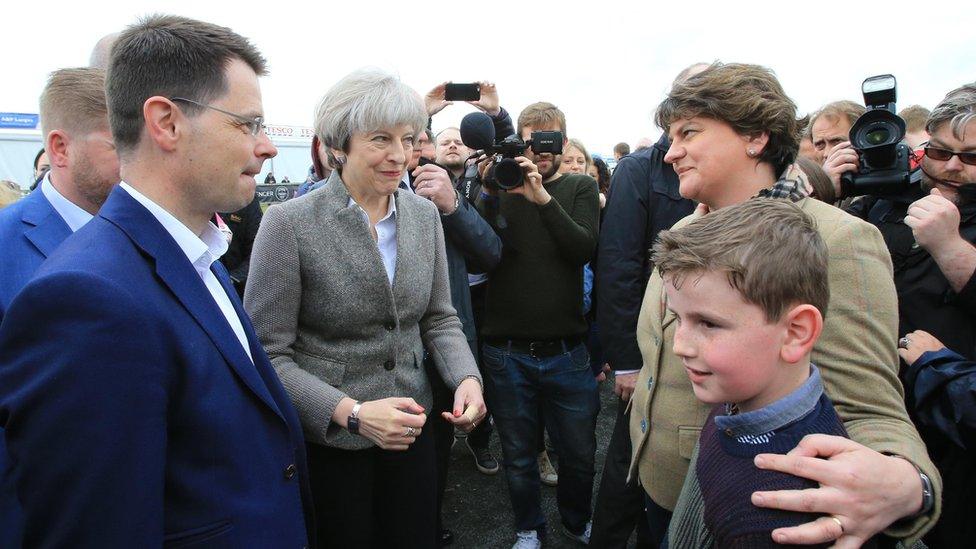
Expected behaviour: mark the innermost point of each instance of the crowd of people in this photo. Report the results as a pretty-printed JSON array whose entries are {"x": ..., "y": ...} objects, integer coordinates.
[{"x": 794, "y": 364}]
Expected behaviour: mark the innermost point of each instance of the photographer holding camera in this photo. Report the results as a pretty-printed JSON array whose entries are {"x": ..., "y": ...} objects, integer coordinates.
[
  {"x": 534, "y": 328},
  {"x": 930, "y": 230}
]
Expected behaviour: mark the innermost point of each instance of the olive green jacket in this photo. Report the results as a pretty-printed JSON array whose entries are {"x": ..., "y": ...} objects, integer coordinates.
[{"x": 856, "y": 355}]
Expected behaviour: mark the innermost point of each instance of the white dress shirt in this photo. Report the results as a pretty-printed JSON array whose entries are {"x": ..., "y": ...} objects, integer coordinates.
[
  {"x": 70, "y": 212},
  {"x": 202, "y": 251},
  {"x": 386, "y": 236}
]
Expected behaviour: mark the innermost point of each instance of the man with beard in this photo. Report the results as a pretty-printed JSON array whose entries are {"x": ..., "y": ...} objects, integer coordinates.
[
  {"x": 931, "y": 244},
  {"x": 534, "y": 329},
  {"x": 83, "y": 170},
  {"x": 451, "y": 152}
]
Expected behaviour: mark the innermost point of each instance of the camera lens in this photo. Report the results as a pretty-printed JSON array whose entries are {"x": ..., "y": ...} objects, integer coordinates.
[
  {"x": 877, "y": 136},
  {"x": 507, "y": 173}
]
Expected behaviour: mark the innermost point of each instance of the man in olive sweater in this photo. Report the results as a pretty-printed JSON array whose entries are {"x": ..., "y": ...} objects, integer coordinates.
[{"x": 534, "y": 330}]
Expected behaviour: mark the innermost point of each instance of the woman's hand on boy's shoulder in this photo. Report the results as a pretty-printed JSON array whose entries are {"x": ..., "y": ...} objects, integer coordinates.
[{"x": 861, "y": 491}]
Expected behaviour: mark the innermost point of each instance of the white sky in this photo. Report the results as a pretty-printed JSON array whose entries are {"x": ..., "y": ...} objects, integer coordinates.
[{"x": 606, "y": 64}]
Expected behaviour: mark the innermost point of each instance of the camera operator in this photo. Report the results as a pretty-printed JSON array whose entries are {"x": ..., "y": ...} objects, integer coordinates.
[
  {"x": 931, "y": 244},
  {"x": 534, "y": 328}
]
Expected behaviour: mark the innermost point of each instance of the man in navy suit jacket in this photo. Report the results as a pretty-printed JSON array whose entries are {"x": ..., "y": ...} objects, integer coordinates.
[
  {"x": 145, "y": 412},
  {"x": 83, "y": 170}
]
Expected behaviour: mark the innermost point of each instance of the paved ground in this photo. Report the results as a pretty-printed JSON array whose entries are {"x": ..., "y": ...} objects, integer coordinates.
[{"x": 477, "y": 508}]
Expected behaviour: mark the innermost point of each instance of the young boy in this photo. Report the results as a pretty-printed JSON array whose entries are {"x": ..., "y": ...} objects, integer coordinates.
[{"x": 748, "y": 287}]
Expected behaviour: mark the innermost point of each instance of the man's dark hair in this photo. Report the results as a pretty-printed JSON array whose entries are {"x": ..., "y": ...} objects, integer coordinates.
[
  {"x": 622, "y": 149},
  {"x": 37, "y": 158},
  {"x": 169, "y": 56}
]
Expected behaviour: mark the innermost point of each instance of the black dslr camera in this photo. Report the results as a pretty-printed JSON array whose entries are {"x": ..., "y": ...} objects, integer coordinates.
[
  {"x": 505, "y": 173},
  {"x": 884, "y": 165}
]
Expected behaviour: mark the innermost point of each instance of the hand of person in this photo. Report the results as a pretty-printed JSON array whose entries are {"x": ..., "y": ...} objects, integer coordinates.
[
  {"x": 484, "y": 162},
  {"x": 469, "y": 406},
  {"x": 604, "y": 371},
  {"x": 392, "y": 423},
  {"x": 934, "y": 220},
  {"x": 623, "y": 385},
  {"x": 434, "y": 100},
  {"x": 915, "y": 344},
  {"x": 531, "y": 187},
  {"x": 863, "y": 490},
  {"x": 434, "y": 183},
  {"x": 701, "y": 209},
  {"x": 489, "y": 99},
  {"x": 841, "y": 159}
]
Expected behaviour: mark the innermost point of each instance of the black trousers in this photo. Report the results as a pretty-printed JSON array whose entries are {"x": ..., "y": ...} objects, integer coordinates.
[
  {"x": 375, "y": 498},
  {"x": 479, "y": 436},
  {"x": 441, "y": 431},
  {"x": 619, "y": 504}
]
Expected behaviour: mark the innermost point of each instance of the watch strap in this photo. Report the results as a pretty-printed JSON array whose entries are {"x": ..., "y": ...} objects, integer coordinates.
[{"x": 352, "y": 422}]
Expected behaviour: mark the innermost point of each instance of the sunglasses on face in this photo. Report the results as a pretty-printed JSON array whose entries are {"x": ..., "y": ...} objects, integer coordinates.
[{"x": 943, "y": 155}]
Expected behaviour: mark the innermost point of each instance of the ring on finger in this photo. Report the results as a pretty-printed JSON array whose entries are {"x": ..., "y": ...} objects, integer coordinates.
[
  {"x": 839, "y": 523},
  {"x": 410, "y": 432},
  {"x": 904, "y": 342}
]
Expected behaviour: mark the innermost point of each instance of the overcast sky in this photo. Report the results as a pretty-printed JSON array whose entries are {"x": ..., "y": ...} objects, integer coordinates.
[{"x": 606, "y": 64}]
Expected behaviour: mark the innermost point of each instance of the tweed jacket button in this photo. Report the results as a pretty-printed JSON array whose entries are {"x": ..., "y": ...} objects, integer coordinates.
[
  {"x": 290, "y": 471},
  {"x": 388, "y": 365}
]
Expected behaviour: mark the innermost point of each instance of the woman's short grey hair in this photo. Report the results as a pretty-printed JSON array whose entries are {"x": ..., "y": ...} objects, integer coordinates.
[
  {"x": 364, "y": 101},
  {"x": 958, "y": 109}
]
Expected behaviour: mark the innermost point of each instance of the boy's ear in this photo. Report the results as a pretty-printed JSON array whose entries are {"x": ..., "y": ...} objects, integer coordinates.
[{"x": 803, "y": 325}]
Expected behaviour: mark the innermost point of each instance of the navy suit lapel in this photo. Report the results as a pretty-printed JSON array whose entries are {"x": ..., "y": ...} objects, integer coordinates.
[
  {"x": 46, "y": 229},
  {"x": 176, "y": 272},
  {"x": 262, "y": 365}
]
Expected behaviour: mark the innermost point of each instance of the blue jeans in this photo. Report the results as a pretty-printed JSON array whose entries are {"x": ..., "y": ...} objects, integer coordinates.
[{"x": 564, "y": 386}]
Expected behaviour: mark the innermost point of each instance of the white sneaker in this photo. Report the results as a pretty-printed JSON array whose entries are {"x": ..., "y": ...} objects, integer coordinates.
[
  {"x": 527, "y": 539},
  {"x": 583, "y": 538},
  {"x": 547, "y": 473}
]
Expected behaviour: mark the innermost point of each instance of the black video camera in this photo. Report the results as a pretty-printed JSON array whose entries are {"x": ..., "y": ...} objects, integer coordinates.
[
  {"x": 505, "y": 173},
  {"x": 884, "y": 162}
]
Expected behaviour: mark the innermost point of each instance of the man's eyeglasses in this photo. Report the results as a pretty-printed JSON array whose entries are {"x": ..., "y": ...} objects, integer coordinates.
[
  {"x": 254, "y": 125},
  {"x": 943, "y": 155}
]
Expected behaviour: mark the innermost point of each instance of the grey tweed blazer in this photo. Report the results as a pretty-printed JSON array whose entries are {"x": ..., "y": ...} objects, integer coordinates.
[{"x": 329, "y": 319}]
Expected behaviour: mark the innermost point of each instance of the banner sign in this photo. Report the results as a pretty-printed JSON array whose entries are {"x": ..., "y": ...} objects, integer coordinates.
[
  {"x": 19, "y": 120},
  {"x": 275, "y": 193},
  {"x": 289, "y": 131}
]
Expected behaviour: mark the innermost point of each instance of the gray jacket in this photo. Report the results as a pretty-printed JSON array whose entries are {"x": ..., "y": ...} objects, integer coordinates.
[{"x": 330, "y": 321}]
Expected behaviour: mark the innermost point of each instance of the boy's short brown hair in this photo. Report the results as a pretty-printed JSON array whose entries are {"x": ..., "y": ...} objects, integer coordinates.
[
  {"x": 770, "y": 249},
  {"x": 541, "y": 114}
]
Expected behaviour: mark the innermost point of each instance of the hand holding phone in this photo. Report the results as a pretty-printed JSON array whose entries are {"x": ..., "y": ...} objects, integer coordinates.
[{"x": 462, "y": 92}]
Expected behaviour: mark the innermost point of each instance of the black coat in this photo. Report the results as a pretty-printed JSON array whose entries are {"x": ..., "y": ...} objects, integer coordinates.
[
  {"x": 939, "y": 387},
  {"x": 643, "y": 201},
  {"x": 244, "y": 225},
  {"x": 926, "y": 300}
]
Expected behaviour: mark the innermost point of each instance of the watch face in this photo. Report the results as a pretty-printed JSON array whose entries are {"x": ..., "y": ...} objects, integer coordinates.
[{"x": 352, "y": 425}]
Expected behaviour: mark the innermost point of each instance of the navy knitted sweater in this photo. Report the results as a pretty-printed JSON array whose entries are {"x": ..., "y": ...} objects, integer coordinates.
[{"x": 727, "y": 477}]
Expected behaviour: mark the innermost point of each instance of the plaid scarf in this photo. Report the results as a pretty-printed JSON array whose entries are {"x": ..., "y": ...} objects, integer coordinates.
[{"x": 792, "y": 185}]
